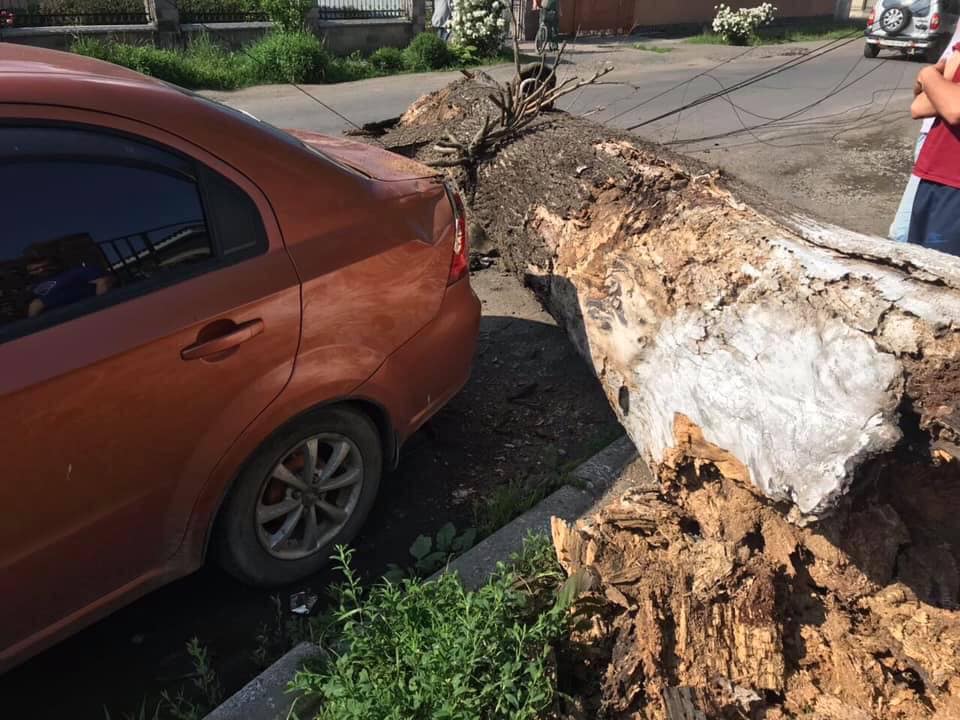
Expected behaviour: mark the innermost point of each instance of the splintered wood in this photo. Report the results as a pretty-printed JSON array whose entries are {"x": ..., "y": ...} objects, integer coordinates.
[
  {"x": 715, "y": 606},
  {"x": 800, "y": 349},
  {"x": 795, "y": 389}
]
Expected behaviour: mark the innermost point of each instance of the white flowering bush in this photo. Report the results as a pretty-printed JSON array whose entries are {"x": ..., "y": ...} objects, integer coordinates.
[
  {"x": 738, "y": 26},
  {"x": 480, "y": 25}
]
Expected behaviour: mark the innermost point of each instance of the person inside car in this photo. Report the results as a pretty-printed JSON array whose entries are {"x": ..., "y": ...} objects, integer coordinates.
[
  {"x": 56, "y": 282},
  {"x": 935, "y": 218}
]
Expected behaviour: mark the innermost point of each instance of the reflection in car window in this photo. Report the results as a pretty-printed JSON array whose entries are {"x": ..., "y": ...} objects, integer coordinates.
[
  {"x": 74, "y": 228},
  {"x": 244, "y": 117}
]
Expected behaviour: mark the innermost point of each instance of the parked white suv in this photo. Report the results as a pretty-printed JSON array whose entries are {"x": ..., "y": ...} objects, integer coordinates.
[{"x": 913, "y": 27}]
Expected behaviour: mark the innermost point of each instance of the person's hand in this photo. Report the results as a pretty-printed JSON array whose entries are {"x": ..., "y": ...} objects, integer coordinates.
[
  {"x": 925, "y": 76},
  {"x": 952, "y": 64},
  {"x": 939, "y": 68}
]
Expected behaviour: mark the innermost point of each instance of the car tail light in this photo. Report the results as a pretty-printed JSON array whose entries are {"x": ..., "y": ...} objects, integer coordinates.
[
  {"x": 460, "y": 265},
  {"x": 871, "y": 18},
  {"x": 935, "y": 21}
]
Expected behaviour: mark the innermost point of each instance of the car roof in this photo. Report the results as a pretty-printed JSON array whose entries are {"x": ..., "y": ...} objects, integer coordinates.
[
  {"x": 39, "y": 77},
  {"x": 30, "y": 61}
]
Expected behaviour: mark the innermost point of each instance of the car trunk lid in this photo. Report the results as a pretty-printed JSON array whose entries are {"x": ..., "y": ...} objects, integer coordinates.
[{"x": 369, "y": 160}]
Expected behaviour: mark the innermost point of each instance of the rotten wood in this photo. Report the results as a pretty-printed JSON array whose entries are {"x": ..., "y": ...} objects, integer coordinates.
[{"x": 795, "y": 387}]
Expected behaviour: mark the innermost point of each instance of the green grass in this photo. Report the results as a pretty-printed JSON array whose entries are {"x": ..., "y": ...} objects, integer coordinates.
[
  {"x": 780, "y": 35},
  {"x": 277, "y": 58},
  {"x": 659, "y": 49},
  {"x": 505, "y": 502},
  {"x": 435, "y": 650}
]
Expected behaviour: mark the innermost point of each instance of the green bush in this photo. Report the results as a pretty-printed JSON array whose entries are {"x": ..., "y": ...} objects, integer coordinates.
[
  {"x": 288, "y": 57},
  {"x": 465, "y": 55},
  {"x": 288, "y": 15},
  {"x": 426, "y": 52},
  {"x": 387, "y": 60},
  {"x": 435, "y": 650},
  {"x": 352, "y": 67}
]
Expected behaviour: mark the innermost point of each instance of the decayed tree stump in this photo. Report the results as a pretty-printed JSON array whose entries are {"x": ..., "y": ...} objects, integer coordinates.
[
  {"x": 800, "y": 349},
  {"x": 771, "y": 369}
]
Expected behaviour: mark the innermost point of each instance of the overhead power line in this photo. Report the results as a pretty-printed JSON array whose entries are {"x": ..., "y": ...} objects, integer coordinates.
[
  {"x": 317, "y": 100},
  {"x": 771, "y": 72}
]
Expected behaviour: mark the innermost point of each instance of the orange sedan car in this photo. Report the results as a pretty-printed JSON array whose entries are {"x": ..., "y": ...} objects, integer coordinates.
[{"x": 214, "y": 338}]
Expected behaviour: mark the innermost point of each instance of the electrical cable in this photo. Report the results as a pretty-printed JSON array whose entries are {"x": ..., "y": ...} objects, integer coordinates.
[
  {"x": 293, "y": 84},
  {"x": 816, "y": 53},
  {"x": 679, "y": 85},
  {"x": 837, "y": 90}
]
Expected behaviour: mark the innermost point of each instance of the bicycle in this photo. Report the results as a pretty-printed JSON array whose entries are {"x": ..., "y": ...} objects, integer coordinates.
[{"x": 547, "y": 32}]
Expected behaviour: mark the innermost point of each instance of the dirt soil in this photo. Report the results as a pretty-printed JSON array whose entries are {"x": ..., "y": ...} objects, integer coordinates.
[
  {"x": 707, "y": 602},
  {"x": 531, "y": 410}
]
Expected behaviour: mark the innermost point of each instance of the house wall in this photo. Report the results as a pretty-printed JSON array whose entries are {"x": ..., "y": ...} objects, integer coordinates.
[{"x": 625, "y": 15}]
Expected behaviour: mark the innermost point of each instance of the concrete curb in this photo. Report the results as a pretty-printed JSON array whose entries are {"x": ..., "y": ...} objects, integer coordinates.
[
  {"x": 266, "y": 697},
  {"x": 597, "y": 474}
]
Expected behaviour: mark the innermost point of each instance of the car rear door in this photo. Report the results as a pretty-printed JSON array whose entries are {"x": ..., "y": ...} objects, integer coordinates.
[{"x": 148, "y": 313}]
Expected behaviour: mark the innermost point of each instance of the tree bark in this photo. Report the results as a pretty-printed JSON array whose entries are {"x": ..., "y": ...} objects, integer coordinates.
[
  {"x": 800, "y": 350},
  {"x": 753, "y": 354}
]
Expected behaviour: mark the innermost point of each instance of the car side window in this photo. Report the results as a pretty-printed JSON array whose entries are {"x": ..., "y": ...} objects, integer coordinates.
[{"x": 91, "y": 218}]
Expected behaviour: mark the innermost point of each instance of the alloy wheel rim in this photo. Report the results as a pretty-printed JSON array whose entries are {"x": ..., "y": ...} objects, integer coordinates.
[
  {"x": 309, "y": 496},
  {"x": 892, "y": 18}
]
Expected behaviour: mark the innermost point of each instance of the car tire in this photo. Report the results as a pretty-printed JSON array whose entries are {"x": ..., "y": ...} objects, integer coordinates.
[
  {"x": 894, "y": 19},
  {"x": 932, "y": 54},
  {"x": 250, "y": 542},
  {"x": 870, "y": 51}
]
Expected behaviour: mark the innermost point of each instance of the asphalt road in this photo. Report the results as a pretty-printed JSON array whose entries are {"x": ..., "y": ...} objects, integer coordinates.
[
  {"x": 831, "y": 134},
  {"x": 638, "y": 77}
]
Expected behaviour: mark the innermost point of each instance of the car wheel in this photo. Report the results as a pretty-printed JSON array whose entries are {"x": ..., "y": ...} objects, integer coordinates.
[
  {"x": 307, "y": 489},
  {"x": 870, "y": 51},
  {"x": 894, "y": 19},
  {"x": 932, "y": 54}
]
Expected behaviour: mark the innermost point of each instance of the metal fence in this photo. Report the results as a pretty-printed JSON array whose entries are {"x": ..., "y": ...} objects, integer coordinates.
[
  {"x": 26, "y": 14},
  {"x": 24, "y": 18},
  {"x": 222, "y": 17},
  {"x": 364, "y": 9}
]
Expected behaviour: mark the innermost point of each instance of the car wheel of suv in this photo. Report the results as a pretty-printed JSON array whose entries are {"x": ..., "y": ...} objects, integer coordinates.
[
  {"x": 870, "y": 51},
  {"x": 894, "y": 19},
  {"x": 932, "y": 54},
  {"x": 309, "y": 488}
]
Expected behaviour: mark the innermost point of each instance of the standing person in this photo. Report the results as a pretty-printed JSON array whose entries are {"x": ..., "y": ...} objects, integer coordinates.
[
  {"x": 935, "y": 217},
  {"x": 442, "y": 18},
  {"x": 901, "y": 221}
]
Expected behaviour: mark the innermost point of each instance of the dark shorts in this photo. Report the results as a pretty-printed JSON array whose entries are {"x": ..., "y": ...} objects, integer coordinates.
[{"x": 935, "y": 220}]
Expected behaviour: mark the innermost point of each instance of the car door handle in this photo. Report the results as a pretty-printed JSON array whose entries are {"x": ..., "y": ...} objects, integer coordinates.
[{"x": 228, "y": 340}]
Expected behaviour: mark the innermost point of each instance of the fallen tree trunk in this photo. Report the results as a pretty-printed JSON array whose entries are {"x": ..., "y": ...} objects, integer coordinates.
[
  {"x": 767, "y": 367},
  {"x": 771, "y": 369},
  {"x": 800, "y": 349}
]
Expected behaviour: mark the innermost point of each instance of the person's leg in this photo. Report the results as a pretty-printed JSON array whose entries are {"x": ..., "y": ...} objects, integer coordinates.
[
  {"x": 900, "y": 227},
  {"x": 935, "y": 221}
]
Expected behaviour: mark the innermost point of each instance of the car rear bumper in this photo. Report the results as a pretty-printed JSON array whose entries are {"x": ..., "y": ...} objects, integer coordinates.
[
  {"x": 907, "y": 43},
  {"x": 429, "y": 369}
]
